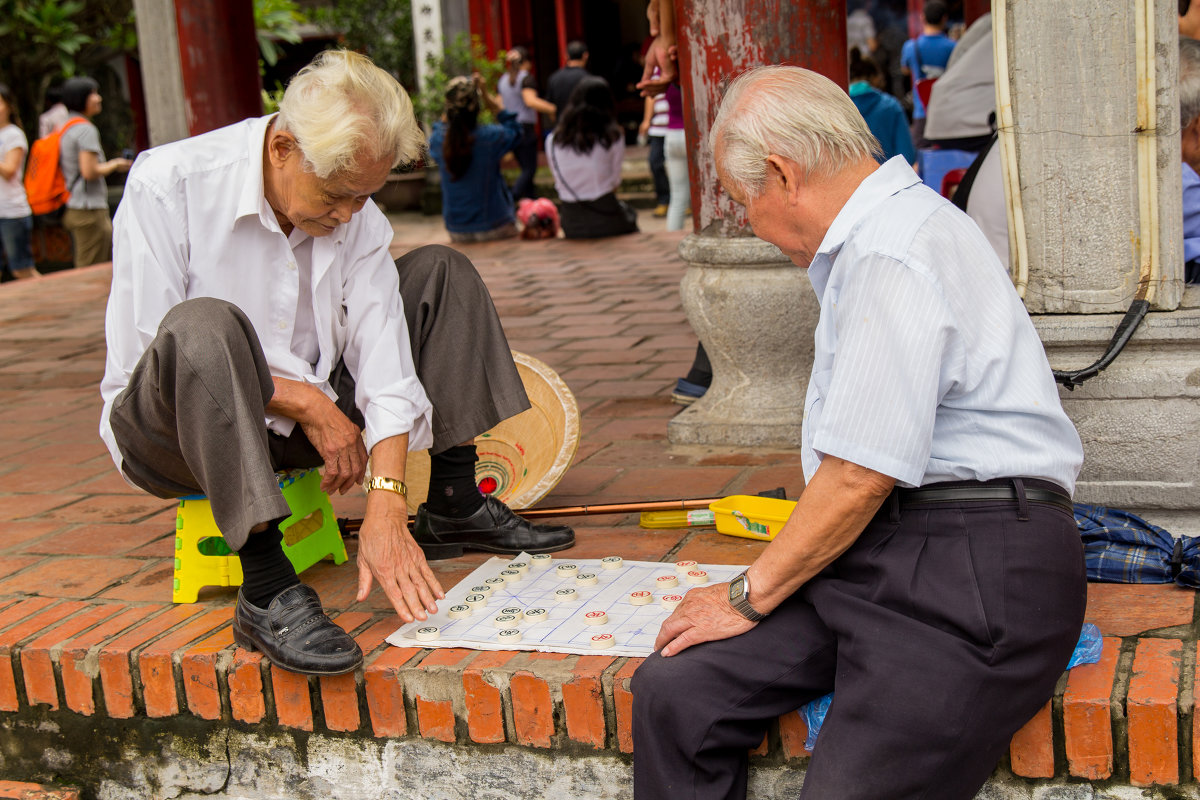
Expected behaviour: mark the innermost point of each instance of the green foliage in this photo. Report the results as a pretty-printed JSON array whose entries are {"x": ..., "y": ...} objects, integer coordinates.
[
  {"x": 276, "y": 19},
  {"x": 45, "y": 41},
  {"x": 380, "y": 28},
  {"x": 463, "y": 56}
]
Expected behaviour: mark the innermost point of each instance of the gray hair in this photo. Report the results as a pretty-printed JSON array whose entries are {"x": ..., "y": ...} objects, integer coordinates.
[
  {"x": 1189, "y": 81},
  {"x": 791, "y": 112},
  {"x": 343, "y": 110}
]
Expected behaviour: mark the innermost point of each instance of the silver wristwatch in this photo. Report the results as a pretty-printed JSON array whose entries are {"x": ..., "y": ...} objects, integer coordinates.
[{"x": 739, "y": 598}]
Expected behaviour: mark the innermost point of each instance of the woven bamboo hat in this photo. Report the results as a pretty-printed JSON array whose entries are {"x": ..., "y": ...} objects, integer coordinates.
[{"x": 525, "y": 456}]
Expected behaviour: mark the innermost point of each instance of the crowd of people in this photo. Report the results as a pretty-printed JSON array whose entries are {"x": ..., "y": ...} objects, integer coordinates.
[{"x": 80, "y": 205}]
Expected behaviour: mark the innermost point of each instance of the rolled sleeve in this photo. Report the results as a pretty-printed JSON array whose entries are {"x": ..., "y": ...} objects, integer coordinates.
[
  {"x": 379, "y": 355},
  {"x": 879, "y": 400}
]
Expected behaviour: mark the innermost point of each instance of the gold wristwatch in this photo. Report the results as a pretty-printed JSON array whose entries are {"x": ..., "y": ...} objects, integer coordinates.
[{"x": 387, "y": 484}]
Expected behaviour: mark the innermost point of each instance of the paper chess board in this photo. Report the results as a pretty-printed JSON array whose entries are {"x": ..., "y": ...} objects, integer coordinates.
[{"x": 562, "y": 625}]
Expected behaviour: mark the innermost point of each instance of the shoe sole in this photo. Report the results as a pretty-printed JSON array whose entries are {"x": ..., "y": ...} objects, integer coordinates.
[
  {"x": 683, "y": 399},
  {"x": 438, "y": 551},
  {"x": 246, "y": 643}
]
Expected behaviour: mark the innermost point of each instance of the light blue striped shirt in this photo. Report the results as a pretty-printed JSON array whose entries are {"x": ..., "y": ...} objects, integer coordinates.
[{"x": 927, "y": 366}]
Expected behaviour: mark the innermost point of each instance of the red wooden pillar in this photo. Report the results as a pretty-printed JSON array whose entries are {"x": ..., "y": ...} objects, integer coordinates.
[
  {"x": 974, "y": 9},
  {"x": 719, "y": 39},
  {"x": 218, "y": 55}
]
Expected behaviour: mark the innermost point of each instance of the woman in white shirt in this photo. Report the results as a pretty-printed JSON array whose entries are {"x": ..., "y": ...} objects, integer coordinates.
[
  {"x": 585, "y": 152},
  {"x": 16, "y": 219}
]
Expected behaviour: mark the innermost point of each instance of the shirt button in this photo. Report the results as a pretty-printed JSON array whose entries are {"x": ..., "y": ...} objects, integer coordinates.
[
  {"x": 292, "y": 266},
  {"x": 283, "y": 326}
]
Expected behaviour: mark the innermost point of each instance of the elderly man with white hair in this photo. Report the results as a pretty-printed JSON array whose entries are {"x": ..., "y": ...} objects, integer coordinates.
[
  {"x": 931, "y": 576},
  {"x": 256, "y": 322}
]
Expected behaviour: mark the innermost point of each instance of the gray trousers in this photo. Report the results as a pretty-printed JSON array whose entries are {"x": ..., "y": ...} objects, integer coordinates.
[
  {"x": 192, "y": 418},
  {"x": 940, "y": 631}
]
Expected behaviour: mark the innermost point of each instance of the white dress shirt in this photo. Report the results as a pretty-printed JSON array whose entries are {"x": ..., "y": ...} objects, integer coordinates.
[
  {"x": 194, "y": 222},
  {"x": 927, "y": 366}
]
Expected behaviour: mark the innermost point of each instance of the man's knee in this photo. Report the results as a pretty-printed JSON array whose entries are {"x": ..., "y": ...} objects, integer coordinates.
[
  {"x": 205, "y": 316},
  {"x": 660, "y": 689},
  {"x": 436, "y": 261}
]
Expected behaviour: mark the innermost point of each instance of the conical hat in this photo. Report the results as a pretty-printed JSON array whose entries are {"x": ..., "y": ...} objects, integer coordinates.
[{"x": 525, "y": 456}]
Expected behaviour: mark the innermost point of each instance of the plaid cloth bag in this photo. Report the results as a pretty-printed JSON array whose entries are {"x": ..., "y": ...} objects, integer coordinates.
[{"x": 1124, "y": 548}]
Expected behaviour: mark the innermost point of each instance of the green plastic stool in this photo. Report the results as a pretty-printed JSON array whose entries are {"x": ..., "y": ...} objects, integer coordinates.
[{"x": 203, "y": 559}]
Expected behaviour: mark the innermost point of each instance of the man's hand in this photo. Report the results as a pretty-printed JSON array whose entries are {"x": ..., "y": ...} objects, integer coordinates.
[
  {"x": 704, "y": 616},
  {"x": 387, "y": 553},
  {"x": 335, "y": 437},
  {"x": 339, "y": 441}
]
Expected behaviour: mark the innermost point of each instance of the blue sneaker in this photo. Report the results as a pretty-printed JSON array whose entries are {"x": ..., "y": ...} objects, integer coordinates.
[{"x": 687, "y": 392}]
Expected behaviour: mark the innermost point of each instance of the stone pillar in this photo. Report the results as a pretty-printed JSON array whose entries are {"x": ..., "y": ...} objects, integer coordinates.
[
  {"x": 1090, "y": 140},
  {"x": 199, "y": 62},
  {"x": 751, "y": 307}
]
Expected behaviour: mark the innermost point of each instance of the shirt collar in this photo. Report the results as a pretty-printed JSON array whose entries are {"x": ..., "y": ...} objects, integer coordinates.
[
  {"x": 252, "y": 201},
  {"x": 895, "y": 175}
]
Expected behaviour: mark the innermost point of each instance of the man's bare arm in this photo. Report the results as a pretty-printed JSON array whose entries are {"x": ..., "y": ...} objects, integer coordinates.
[{"x": 336, "y": 438}]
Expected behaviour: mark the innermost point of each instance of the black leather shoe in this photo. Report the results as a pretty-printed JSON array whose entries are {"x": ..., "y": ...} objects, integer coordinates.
[
  {"x": 494, "y": 528},
  {"x": 294, "y": 633}
]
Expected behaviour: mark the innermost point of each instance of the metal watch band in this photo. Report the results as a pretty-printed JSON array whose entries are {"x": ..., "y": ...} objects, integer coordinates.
[
  {"x": 742, "y": 604},
  {"x": 387, "y": 484}
]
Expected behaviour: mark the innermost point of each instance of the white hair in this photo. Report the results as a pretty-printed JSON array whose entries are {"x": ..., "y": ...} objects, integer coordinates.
[
  {"x": 791, "y": 112},
  {"x": 1189, "y": 81},
  {"x": 343, "y": 110}
]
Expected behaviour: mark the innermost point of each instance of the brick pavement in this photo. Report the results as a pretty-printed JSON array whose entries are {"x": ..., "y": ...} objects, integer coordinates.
[{"x": 87, "y": 627}]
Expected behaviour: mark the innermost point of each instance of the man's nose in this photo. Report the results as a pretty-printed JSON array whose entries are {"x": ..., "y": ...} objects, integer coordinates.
[{"x": 342, "y": 211}]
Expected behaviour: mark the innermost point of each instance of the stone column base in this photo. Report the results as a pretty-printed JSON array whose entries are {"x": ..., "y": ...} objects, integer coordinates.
[
  {"x": 1139, "y": 419},
  {"x": 755, "y": 312}
]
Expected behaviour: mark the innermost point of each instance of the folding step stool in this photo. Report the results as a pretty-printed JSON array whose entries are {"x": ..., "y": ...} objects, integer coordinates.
[{"x": 203, "y": 559}]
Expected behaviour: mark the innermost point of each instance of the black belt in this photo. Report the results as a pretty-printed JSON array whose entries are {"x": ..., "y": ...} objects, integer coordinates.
[{"x": 968, "y": 494}]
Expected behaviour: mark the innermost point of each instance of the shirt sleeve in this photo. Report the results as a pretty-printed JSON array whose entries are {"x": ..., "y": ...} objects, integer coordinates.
[
  {"x": 880, "y": 398},
  {"x": 529, "y": 83},
  {"x": 377, "y": 351},
  {"x": 616, "y": 155},
  {"x": 150, "y": 264},
  {"x": 89, "y": 139}
]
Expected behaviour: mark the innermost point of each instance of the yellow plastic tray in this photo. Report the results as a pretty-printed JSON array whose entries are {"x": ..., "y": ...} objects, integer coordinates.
[{"x": 750, "y": 516}]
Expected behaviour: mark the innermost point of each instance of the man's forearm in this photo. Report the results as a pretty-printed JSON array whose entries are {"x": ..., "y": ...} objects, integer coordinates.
[
  {"x": 835, "y": 507},
  {"x": 294, "y": 399}
]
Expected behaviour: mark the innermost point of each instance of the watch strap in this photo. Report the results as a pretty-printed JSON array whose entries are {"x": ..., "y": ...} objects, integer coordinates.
[
  {"x": 388, "y": 485},
  {"x": 742, "y": 603}
]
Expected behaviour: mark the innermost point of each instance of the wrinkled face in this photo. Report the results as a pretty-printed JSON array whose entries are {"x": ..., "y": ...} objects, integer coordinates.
[
  {"x": 316, "y": 206},
  {"x": 772, "y": 218}
]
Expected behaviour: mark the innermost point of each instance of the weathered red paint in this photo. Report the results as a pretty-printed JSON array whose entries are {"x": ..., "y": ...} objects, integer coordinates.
[
  {"x": 719, "y": 39},
  {"x": 218, "y": 56}
]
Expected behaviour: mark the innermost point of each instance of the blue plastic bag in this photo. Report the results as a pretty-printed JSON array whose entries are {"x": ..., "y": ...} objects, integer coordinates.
[{"x": 1087, "y": 651}]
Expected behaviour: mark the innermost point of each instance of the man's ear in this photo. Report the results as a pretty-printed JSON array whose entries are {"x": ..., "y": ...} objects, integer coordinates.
[
  {"x": 281, "y": 146},
  {"x": 786, "y": 173}
]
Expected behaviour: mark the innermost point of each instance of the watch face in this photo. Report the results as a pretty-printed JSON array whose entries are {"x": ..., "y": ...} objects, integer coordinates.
[{"x": 737, "y": 588}]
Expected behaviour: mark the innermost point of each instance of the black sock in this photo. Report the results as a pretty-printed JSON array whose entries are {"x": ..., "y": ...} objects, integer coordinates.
[
  {"x": 452, "y": 488},
  {"x": 266, "y": 571}
]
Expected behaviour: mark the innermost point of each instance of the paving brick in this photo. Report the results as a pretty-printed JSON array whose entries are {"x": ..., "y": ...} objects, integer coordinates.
[
  {"x": 1087, "y": 715},
  {"x": 1152, "y": 710},
  {"x": 74, "y": 577},
  {"x": 152, "y": 584},
  {"x": 198, "y": 669},
  {"x": 385, "y": 690},
  {"x": 247, "y": 703},
  {"x": 156, "y": 661},
  {"x": 13, "y": 635},
  {"x": 707, "y": 546},
  {"x": 623, "y": 704},
  {"x": 114, "y": 508},
  {"x": 27, "y": 506},
  {"x": 293, "y": 703},
  {"x": 18, "y": 790},
  {"x": 19, "y": 536},
  {"x": 533, "y": 704},
  {"x": 435, "y": 715},
  {"x": 339, "y": 693},
  {"x": 101, "y": 539},
  {"x": 484, "y": 702},
  {"x": 664, "y": 483},
  {"x": 114, "y": 659},
  {"x": 792, "y": 734},
  {"x": 79, "y": 676},
  {"x": 1032, "y": 748},
  {"x": 37, "y": 657},
  {"x": 1129, "y": 609},
  {"x": 583, "y": 701}
]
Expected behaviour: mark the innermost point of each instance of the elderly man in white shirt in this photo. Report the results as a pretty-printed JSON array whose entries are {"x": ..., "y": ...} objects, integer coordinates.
[
  {"x": 931, "y": 570},
  {"x": 256, "y": 322}
]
